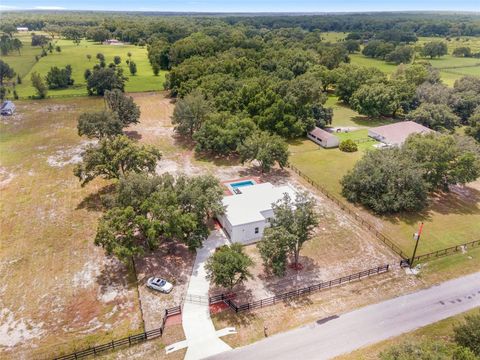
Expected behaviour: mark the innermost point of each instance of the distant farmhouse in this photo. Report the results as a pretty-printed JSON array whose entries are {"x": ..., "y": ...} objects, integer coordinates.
[
  {"x": 22, "y": 29},
  {"x": 112, "y": 42},
  {"x": 323, "y": 138},
  {"x": 249, "y": 209},
  {"x": 8, "y": 108},
  {"x": 396, "y": 134}
]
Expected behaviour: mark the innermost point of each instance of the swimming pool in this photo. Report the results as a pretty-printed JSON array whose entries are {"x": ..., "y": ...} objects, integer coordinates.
[{"x": 237, "y": 185}]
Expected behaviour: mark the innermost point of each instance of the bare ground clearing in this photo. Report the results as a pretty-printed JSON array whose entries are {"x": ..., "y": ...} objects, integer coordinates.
[{"x": 173, "y": 262}]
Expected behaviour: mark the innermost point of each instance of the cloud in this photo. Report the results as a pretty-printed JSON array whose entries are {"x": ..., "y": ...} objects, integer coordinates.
[
  {"x": 7, "y": 7},
  {"x": 49, "y": 8}
]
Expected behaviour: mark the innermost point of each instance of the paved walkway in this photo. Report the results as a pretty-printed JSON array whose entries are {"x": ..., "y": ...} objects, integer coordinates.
[
  {"x": 202, "y": 339},
  {"x": 336, "y": 335}
]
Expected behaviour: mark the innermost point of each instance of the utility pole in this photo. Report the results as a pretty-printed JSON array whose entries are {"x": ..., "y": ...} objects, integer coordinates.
[{"x": 416, "y": 237}]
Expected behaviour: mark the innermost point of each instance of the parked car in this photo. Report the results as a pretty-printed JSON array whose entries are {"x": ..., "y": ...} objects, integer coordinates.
[{"x": 159, "y": 284}]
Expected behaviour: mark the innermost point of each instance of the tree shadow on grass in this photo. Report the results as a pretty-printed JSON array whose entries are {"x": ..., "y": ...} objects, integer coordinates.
[
  {"x": 293, "y": 279},
  {"x": 367, "y": 121},
  {"x": 183, "y": 142},
  {"x": 275, "y": 176},
  {"x": 114, "y": 277},
  {"x": 97, "y": 201},
  {"x": 133, "y": 135},
  {"x": 242, "y": 319},
  {"x": 461, "y": 200},
  {"x": 218, "y": 160}
]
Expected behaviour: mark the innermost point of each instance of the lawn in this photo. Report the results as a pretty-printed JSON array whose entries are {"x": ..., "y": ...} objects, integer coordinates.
[
  {"x": 59, "y": 291},
  {"x": 441, "y": 331},
  {"x": 344, "y": 116},
  {"x": 23, "y": 62},
  {"x": 360, "y": 59},
  {"x": 75, "y": 56},
  {"x": 450, "y": 219},
  {"x": 333, "y": 36}
]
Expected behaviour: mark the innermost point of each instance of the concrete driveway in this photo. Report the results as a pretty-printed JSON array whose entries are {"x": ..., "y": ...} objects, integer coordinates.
[{"x": 201, "y": 337}]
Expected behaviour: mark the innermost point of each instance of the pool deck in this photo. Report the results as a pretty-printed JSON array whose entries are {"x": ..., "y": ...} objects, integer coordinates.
[{"x": 227, "y": 190}]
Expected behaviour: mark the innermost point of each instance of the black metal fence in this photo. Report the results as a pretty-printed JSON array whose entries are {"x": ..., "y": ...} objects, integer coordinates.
[
  {"x": 228, "y": 298},
  {"x": 447, "y": 251},
  {"x": 385, "y": 239},
  {"x": 130, "y": 340}
]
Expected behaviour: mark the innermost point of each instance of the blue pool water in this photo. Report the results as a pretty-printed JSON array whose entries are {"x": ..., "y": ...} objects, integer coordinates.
[{"x": 242, "y": 184}]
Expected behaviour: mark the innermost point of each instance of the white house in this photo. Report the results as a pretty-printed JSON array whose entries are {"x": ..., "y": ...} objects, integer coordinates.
[
  {"x": 396, "y": 134},
  {"x": 22, "y": 28},
  {"x": 323, "y": 138},
  {"x": 247, "y": 212}
]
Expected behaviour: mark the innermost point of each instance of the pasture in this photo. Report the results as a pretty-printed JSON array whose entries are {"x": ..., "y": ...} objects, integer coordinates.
[
  {"x": 59, "y": 291},
  {"x": 76, "y": 56},
  {"x": 451, "y": 68}
]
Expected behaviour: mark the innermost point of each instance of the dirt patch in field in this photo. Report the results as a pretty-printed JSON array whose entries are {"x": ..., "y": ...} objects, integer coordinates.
[
  {"x": 155, "y": 118},
  {"x": 15, "y": 331},
  {"x": 56, "y": 107},
  {"x": 173, "y": 262},
  {"x": 5, "y": 177},
  {"x": 69, "y": 155}
]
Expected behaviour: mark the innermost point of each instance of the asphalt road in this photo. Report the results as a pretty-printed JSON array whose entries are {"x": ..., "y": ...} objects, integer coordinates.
[{"x": 342, "y": 334}]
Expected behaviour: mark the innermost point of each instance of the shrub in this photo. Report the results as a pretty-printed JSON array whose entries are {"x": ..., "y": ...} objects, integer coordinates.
[
  {"x": 468, "y": 333},
  {"x": 348, "y": 146}
]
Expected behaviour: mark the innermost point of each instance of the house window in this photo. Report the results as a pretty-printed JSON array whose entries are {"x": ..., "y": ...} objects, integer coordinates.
[{"x": 256, "y": 230}]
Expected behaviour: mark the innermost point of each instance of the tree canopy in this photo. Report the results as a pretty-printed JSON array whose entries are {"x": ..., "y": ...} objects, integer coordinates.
[
  {"x": 149, "y": 209},
  {"x": 114, "y": 158},
  {"x": 292, "y": 224},
  {"x": 228, "y": 266}
]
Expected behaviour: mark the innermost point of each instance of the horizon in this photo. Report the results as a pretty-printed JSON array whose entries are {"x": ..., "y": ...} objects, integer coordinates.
[{"x": 247, "y": 6}]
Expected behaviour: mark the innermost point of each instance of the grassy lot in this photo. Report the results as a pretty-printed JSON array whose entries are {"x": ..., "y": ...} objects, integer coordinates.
[
  {"x": 450, "y": 219},
  {"x": 360, "y": 59},
  {"x": 333, "y": 36},
  {"x": 344, "y": 116},
  {"x": 59, "y": 291},
  {"x": 23, "y": 62},
  {"x": 441, "y": 331},
  {"x": 470, "y": 41},
  {"x": 75, "y": 55}
]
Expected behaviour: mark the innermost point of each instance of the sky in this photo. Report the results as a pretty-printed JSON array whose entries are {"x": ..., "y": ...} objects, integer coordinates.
[{"x": 245, "y": 5}]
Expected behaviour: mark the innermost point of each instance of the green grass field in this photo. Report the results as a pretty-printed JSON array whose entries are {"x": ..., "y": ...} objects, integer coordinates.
[
  {"x": 362, "y": 60},
  {"x": 454, "y": 67},
  {"x": 332, "y": 36},
  {"x": 75, "y": 56},
  {"x": 23, "y": 62}
]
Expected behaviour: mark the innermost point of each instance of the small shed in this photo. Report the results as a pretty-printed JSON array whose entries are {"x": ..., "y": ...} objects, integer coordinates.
[
  {"x": 323, "y": 138},
  {"x": 22, "y": 28},
  {"x": 112, "y": 42},
  {"x": 8, "y": 108}
]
